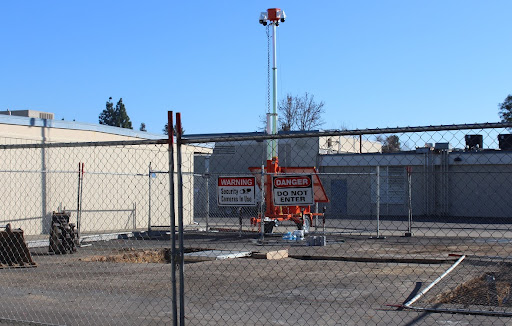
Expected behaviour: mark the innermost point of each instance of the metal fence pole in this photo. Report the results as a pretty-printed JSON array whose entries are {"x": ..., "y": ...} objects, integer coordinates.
[
  {"x": 409, "y": 202},
  {"x": 172, "y": 218},
  {"x": 207, "y": 169},
  {"x": 262, "y": 212},
  {"x": 316, "y": 217},
  {"x": 240, "y": 220},
  {"x": 78, "y": 202},
  {"x": 377, "y": 208},
  {"x": 79, "y": 223},
  {"x": 134, "y": 216},
  {"x": 149, "y": 198},
  {"x": 180, "y": 218},
  {"x": 378, "y": 201}
]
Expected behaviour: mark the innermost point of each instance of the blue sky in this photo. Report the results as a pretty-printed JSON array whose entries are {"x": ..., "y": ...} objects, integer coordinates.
[{"x": 373, "y": 63}]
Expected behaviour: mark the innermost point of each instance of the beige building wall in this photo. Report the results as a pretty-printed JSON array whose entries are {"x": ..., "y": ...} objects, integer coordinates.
[{"x": 116, "y": 184}]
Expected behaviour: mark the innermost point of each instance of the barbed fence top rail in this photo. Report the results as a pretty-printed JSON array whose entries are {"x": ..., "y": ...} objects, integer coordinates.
[{"x": 260, "y": 136}]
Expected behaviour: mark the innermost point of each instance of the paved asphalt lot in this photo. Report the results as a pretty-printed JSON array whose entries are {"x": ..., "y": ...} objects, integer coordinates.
[{"x": 353, "y": 283}]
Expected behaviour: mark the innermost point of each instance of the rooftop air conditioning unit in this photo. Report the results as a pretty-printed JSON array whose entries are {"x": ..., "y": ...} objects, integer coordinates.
[
  {"x": 474, "y": 142},
  {"x": 442, "y": 146},
  {"x": 505, "y": 141}
]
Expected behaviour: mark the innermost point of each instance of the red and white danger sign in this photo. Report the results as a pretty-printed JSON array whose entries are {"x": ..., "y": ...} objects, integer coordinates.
[
  {"x": 236, "y": 191},
  {"x": 291, "y": 190}
]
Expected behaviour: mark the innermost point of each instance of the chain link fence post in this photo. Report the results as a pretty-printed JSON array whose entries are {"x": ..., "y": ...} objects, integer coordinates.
[
  {"x": 179, "y": 162},
  {"x": 172, "y": 215}
]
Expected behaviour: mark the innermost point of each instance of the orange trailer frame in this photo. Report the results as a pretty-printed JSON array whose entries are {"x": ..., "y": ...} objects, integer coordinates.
[{"x": 300, "y": 215}]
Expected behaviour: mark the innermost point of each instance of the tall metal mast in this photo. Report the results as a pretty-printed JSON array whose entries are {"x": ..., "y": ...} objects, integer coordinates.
[
  {"x": 273, "y": 213},
  {"x": 273, "y": 16}
]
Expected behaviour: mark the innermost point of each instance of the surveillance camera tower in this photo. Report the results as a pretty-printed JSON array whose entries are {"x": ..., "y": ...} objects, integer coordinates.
[
  {"x": 299, "y": 211},
  {"x": 273, "y": 17}
]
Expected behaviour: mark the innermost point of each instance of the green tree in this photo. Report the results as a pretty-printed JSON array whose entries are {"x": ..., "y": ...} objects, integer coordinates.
[
  {"x": 300, "y": 112},
  {"x": 173, "y": 129},
  {"x": 506, "y": 109},
  {"x": 107, "y": 116},
  {"x": 390, "y": 143},
  {"x": 117, "y": 116}
]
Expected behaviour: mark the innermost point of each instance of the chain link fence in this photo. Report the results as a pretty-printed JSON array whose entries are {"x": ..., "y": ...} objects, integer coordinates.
[
  {"x": 85, "y": 210},
  {"x": 402, "y": 205},
  {"x": 367, "y": 227},
  {"x": 388, "y": 182}
]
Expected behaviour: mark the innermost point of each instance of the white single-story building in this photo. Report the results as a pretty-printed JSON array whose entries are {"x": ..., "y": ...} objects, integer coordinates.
[{"x": 118, "y": 192}]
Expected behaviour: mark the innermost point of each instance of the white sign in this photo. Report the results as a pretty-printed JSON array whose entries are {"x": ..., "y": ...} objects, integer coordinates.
[
  {"x": 292, "y": 190},
  {"x": 236, "y": 191}
]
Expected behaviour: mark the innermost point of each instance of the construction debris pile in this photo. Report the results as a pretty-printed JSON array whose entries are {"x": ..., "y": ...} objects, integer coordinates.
[
  {"x": 63, "y": 238},
  {"x": 13, "y": 249}
]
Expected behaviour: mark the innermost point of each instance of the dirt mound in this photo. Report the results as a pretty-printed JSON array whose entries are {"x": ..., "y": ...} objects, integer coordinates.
[
  {"x": 132, "y": 255},
  {"x": 488, "y": 289}
]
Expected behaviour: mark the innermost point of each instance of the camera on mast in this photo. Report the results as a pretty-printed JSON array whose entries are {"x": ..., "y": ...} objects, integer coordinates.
[
  {"x": 272, "y": 15},
  {"x": 263, "y": 18}
]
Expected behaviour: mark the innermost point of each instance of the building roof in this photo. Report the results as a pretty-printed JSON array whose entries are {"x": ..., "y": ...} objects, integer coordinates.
[{"x": 73, "y": 125}]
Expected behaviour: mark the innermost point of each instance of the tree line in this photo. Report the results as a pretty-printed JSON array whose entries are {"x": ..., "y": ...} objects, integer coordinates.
[
  {"x": 296, "y": 112},
  {"x": 505, "y": 109},
  {"x": 118, "y": 117}
]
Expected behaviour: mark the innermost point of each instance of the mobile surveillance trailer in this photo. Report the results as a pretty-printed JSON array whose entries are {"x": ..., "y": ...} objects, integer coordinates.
[
  {"x": 289, "y": 191},
  {"x": 289, "y": 194}
]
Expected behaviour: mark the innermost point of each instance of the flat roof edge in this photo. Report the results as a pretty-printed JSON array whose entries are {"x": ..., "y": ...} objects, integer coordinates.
[{"x": 73, "y": 125}]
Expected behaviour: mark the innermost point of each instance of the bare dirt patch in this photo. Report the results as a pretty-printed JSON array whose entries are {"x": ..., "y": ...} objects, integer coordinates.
[
  {"x": 137, "y": 256},
  {"x": 488, "y": 289},
  {"x": 132, "y": 255}
]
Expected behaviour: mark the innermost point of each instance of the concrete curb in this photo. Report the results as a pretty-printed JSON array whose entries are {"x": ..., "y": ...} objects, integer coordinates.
[{"x": 86, "y": 238}]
